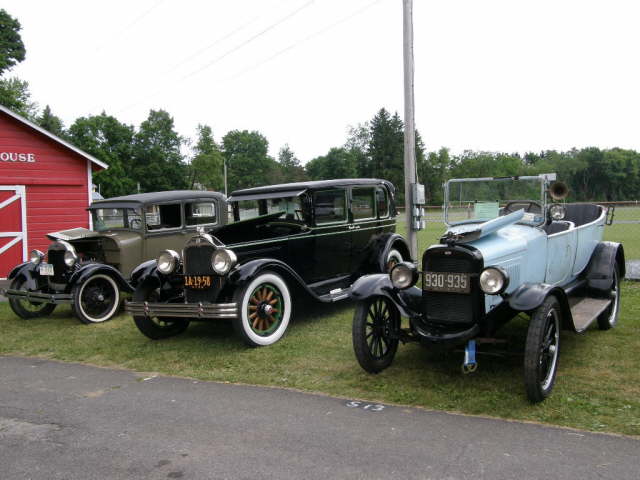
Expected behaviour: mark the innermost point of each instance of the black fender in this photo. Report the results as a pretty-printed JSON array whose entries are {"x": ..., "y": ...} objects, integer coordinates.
[
  {"x": 85, "y": 271},
  {"x": 529, "y": 296},
  {"x": 599, "y": 271},
  {"x": 28, "y": 270},
  {"x": 379, "y": 284},
  {"x": 244, "y": 273},
  {"x": 387, "y": 243},
  {"x": 142, "y": 271}
]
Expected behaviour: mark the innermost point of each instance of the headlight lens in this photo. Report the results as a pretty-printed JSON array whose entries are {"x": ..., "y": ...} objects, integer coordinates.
[
  {"x": 36, "y": 256},
  {"x": 223, "y": 260},
  {"x": 493, "y": 280},
  {"x": 557, "y": 212},
  {"x": 403, "y": 275},
  {"x": 167, "y": 261},
  {"x": 70, "y": 258}
]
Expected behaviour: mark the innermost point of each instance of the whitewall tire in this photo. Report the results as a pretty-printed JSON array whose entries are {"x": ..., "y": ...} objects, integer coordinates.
[
  {"x": 393, "y": 258},
  {"x": 97, "y": 299}
]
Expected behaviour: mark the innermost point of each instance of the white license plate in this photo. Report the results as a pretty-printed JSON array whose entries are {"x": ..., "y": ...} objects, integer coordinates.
[{"x": 46, "y": 269}]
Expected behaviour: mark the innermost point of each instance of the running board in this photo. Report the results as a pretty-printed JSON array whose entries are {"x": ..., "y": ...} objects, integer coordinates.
[
  {"x": 586, "y": 311},
  {"x": 335, "y": 295}
]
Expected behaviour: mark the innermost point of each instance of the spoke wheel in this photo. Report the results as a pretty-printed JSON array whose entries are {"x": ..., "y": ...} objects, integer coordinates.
[
  {"x": 26, "y": 308},
  {"x": 154, "y": 327},
  {"x": 609, "y": 318},
  {"x": 97, "y": 299},
  {"x": 393, "y": 258},
  {"x": 264, "y": 307},
  {"x": 542, "y": 350},
  {"x": 374, "y": 333}
]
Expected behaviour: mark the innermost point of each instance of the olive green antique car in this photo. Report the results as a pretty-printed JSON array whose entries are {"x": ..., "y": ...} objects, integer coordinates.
[{"x": 89, "y": 268}]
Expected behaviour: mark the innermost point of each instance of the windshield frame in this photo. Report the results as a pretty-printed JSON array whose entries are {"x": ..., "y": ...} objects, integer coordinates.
[{"x": 545, "y": 180}]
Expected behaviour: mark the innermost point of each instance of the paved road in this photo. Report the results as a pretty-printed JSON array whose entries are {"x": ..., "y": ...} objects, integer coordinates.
[{"x": 69, "y": 421}]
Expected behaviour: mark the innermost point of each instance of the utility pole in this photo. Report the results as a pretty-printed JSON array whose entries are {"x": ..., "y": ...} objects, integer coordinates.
[
  {"x": 409, "y": 125},
  {"x": 224, "y": 161}
]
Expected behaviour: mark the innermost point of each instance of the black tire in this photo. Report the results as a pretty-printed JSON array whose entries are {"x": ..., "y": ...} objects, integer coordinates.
[
  {"x": 152, "y": 327},
  {"x": 264, "y": 310},
  {"x": 97, "y": 299},
  {"x": 25, "y": 308},
  {"x": 393, "y": 258},
  {"x": 609, "y": 318},
  {"x": 373, "y": 321},
  {"x": 542, "y": 350}
]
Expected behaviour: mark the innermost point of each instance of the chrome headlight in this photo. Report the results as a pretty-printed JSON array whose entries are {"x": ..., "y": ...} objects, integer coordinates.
[
  {"x": 70, "y": 258},
  {"x": 557, "y": 211},
  {"x": 223, "y": 260},
  {"x": 167, "y": 261},
  {"x": 36, "y": 256},
  {"x": 403, "y": 275},
  {"x": 494, "y": 280}
]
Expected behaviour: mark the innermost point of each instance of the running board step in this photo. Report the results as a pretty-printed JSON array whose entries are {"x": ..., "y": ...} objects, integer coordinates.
[
  {"x": 586, "y": 310},
  {"x": 335, "y": 295}
]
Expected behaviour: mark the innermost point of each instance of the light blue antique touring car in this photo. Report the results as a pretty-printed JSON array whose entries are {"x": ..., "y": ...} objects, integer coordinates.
[{"x": 499, "y": 257}]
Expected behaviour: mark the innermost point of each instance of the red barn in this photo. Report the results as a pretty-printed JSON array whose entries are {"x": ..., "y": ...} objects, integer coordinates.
[{"x": 45, "y": 186}]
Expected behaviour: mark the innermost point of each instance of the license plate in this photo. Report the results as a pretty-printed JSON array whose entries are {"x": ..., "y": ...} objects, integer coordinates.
[
  {"x": 46, "y": 269},
  {"x": 447, "y": 282},
  {"x": 197, "y": 282}
]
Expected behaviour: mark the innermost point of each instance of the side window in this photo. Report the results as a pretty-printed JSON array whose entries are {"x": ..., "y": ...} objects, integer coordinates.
[
  {"x": 159, "y": 217},
  {"x": 200, "y": 213},
  {"x": 330, "y": 206},
  {"x": 382, "y": 202},
  {"x": 362, "y": 203}
]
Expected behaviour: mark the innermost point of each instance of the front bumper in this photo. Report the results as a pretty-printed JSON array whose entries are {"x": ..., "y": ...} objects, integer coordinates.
[
  {"x": 56, "y": 298},
  {"x": 182, "y": 310}
]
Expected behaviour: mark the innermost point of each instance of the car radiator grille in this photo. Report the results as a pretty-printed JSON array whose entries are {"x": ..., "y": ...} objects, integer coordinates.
[
  {"x": 197, "y": 261},
  {"x": 56, "y": 258},
  {"x": 444, "y": 307}
]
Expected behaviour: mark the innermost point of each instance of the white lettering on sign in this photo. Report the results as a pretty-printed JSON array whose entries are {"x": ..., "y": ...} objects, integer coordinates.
[{"x": 17, "y": 157}]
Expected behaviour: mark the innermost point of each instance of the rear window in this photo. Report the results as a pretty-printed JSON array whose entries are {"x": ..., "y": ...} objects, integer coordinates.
[
  {"x": 382, "y": 202},
  {"x": 362, "y": 203}
]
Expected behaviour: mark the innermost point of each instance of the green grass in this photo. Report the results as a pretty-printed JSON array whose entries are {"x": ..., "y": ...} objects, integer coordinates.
[{"x": 598, "y": 386}]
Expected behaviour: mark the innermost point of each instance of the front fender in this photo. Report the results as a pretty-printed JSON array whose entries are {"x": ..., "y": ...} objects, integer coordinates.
[
  {"x": 605, "y": 257},
  {"x": 379, "y": 284},
  {"x": 82, "y": 275},
  {"x": 29, "y": 271},
  {"x": 142, "y": 271},
  {"x": 244, "y": 273},
  {"x": 529, "y": 296}
]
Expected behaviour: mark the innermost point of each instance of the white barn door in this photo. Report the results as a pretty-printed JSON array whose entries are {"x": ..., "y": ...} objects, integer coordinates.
[{"x": 13, "y": 228}]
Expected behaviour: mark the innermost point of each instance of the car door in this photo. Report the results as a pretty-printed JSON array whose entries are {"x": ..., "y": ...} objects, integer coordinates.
[
  {"x": 331, "y": 251},
  {"x": 561, "y": 252},
  {"x": 164, "y": 228}
]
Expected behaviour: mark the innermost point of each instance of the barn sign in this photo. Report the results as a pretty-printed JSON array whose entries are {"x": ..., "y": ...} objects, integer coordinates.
[{"x": 17, "y": 157}]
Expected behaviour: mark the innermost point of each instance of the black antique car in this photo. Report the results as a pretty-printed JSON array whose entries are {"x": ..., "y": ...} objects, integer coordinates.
[
  {"x": 314, "y": 237},
  {"x": 89, "y": 268},
  {"x": 511, "y": 247}
]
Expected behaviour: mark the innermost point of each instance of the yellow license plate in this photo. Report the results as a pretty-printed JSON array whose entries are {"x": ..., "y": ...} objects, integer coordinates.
[{"x": 197, "y": 282}]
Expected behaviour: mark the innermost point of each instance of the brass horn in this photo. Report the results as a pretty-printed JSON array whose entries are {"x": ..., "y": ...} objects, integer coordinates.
[{"x": 558, "y": 190}]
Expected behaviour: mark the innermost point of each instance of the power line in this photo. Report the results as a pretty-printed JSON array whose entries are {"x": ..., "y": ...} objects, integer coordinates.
[
  {"x": 131, "y": 24},
  {"x": 224, "y": 55}
]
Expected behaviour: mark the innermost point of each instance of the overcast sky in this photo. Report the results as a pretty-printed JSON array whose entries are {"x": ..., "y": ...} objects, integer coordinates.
[{"x": 489, "y": 74}]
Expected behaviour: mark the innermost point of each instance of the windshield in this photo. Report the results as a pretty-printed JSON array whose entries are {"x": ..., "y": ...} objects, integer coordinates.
[
  {"x": 289, "y": 207},
  {"x": 481, "y": 199},
  {"x": 116, "y": 218}
]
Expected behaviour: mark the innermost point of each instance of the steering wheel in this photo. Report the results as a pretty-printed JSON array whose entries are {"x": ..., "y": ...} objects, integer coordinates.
[
  {"x": 529, "y": 206},
  {"x": 135, "y": 223}
]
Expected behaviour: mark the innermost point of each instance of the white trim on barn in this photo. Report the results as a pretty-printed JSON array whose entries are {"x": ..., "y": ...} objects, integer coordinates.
[
  {"x": 19, "y": 236},
  {"x": 90, "y": 192},
  {"x": 53, "y": 137}
]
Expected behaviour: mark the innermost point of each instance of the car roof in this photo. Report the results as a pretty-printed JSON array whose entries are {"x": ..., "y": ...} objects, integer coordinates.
[
  {"x": 311, "y": 185},
  {"x": 155, "y": 197}
]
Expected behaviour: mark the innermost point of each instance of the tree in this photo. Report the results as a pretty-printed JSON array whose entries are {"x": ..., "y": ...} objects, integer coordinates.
[
  {"x": 290, "y": 167},
  {"x": 358, "y": 140},
  {"x": 15, "y": 95},
  {"x": 156, "y": 151},
  {"x": 11, "y": 47},
  {"x": 386, "y": 149},
  {"x": 248, "y": 164},
  {"x": 50, "y": 122},
  {"x": 337, "y": 163},
  {"x": 207, "y": 164},
  {"x": 104, "y": 137}
]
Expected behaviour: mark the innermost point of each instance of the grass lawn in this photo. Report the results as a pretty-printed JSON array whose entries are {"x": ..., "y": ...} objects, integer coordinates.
[{"x": 598, "y": 386}]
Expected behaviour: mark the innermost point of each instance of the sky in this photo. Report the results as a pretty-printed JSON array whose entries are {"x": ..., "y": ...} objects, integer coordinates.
[{"x": 490, "y": 75}]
